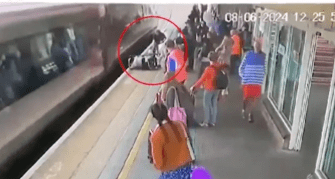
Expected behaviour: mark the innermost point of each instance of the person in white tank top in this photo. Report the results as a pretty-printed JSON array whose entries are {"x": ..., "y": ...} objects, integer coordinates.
[{"x": 225, "y": 50}]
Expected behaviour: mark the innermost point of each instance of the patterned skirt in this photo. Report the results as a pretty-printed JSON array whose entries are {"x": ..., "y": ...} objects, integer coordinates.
[{"x": 182, "y": 173}]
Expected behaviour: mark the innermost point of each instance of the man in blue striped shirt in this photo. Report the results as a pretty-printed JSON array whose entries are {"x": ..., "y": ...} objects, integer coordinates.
[{"x": 252, "y": 72}]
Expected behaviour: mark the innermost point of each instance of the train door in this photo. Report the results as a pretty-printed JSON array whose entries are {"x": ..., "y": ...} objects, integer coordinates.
[
  {"x": 46, "y": 68},
  {"x": 283, "y": 42}
]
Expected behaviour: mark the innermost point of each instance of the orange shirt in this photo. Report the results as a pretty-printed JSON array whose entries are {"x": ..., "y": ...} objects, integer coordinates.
[
  {"x": 178, "y": 56},
  {"x": 208, "y": 77},
  {"x": 237, "y": 45},
  {"x": 170, "y": 155}
]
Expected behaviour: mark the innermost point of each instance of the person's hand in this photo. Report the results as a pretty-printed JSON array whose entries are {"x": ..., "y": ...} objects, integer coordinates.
[
  {"x": 164, "y": 98},
  {"x": 192, "y": 89}
]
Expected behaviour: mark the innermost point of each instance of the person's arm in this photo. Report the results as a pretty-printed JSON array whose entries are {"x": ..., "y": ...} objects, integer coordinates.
[
  {"x": 242, "y": 67},
  {"x": 220, "y": 47},
  {"x": 202, "y": 78},
  {"x": 223, "y": 66},
  {"x": 157, "y": 151},
  {"x": 150, "y": 47}
]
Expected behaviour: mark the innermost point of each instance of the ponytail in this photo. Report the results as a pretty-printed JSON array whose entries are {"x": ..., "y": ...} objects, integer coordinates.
[{"x": 160, "y": 113}]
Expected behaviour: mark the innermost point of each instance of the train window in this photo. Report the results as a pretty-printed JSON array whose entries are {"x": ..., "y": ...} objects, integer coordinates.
[
  {"x": 70, "y": 32},
  {"x": 10, "y": 77},
  {"x": 30, "y": 62},
  {"x": 40, "y": 48}
]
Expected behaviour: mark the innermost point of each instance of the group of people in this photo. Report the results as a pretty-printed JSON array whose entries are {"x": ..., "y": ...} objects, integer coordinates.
[{"x": 170, "y": 148}]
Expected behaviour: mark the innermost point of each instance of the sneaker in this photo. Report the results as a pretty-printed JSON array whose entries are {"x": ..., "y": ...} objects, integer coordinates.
[
  {"x": 250, "y": 118},
  {"x": 243, "y": 114},
  {"x": 226, "y": 91},
  {"x": 203, "y": 124},
  {"x": 212, "y": 124}
]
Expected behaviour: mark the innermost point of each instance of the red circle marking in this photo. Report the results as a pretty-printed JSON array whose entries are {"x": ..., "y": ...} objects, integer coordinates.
[{"x": 119, "y": 46}]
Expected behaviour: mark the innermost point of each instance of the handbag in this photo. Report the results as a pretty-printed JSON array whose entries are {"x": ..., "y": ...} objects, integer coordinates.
[{"x": 177, "y": 113}]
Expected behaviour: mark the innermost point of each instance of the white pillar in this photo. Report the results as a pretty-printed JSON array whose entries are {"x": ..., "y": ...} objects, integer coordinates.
[{"x": 307, "y": 64}]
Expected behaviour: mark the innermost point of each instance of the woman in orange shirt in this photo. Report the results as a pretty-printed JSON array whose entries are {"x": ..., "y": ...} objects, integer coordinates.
[
  {"x": 211, "y": 93},
  {"x": 170, "y": 150}
]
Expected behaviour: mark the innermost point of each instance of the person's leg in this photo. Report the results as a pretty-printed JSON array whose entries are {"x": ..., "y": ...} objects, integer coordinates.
[
  {"x": 232, "y": 64},
  {"x": 256, "y": 94},
  {"x": 170, "y": 96},
  {"x": 245, "y": 100},
  {"x": 245, "y": 104},
  {"x": 250, "y": 106},
  {"x": 237, "y": 63},
  {"x": 228, "y": 76},
  {"x": 215, "y": 96},
  {"x": 206, "y": 106}
]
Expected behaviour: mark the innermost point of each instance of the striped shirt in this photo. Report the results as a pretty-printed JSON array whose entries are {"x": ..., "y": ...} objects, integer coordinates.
[{"x": 253, "y": 68}]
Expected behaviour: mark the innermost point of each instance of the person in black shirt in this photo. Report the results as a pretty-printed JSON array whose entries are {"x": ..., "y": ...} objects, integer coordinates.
[
  {"x": 247, "y": 38},
  {"x": 195, "y": 14},
  {"x": 203, "y": 9}
]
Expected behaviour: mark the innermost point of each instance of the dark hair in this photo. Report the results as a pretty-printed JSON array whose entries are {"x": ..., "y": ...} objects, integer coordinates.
[
  {"x": 213, "y": 56},
  {"x": 159, "y": 36},
  {"x": 179, "y": 40},
  {"x": 160, "y": 113},
  {"x": 246, "y": 26},
  {"x": 170, "y": 43}
]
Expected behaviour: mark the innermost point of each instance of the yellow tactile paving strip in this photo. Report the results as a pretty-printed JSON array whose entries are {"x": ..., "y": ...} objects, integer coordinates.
[
  {"x": 134, "y": 151},
  {"x": 85, "y": 153}
]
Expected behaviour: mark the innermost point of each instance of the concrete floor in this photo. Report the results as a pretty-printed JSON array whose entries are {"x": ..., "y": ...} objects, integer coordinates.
[
  {"x": 314, "y": 123},
  {"x": 235, "y": 149}
]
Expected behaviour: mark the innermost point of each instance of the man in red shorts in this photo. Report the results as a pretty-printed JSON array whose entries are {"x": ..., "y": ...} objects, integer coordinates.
[{"x": 252, "y": 72}]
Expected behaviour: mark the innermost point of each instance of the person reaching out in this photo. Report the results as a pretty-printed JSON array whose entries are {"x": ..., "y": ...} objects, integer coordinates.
[
  {"x": 224, "y": 51},
  {"x": 211, "y": 93}
]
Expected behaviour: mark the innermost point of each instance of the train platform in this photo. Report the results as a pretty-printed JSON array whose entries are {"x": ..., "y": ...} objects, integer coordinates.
[
  {"x": 233, "y": 149},
  {"x": 110, "y": 139},
  {"x": 104, "y": 133},
  {"x": 21, "y": 122}
]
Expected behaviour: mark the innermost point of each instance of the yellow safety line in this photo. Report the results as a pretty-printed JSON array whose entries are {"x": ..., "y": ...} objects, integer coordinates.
[{"x": 133, "y": 153}]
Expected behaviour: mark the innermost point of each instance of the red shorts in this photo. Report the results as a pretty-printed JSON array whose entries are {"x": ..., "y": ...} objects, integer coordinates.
[{"x": 252, "y": 91}]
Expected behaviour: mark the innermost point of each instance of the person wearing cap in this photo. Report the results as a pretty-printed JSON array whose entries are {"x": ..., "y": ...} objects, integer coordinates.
[
  {"x": 176, "y": 62},
  {"x": 252, "y": 72},
  {"x": 211, "y": 93}
]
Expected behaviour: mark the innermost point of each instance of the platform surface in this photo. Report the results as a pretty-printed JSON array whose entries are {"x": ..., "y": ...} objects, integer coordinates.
[
  {"x": 234, "y": 148},
  {"x": 84, "y": 151}
]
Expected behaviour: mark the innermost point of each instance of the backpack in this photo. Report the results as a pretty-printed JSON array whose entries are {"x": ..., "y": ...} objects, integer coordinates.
[{"x": 221, "y": 80}]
